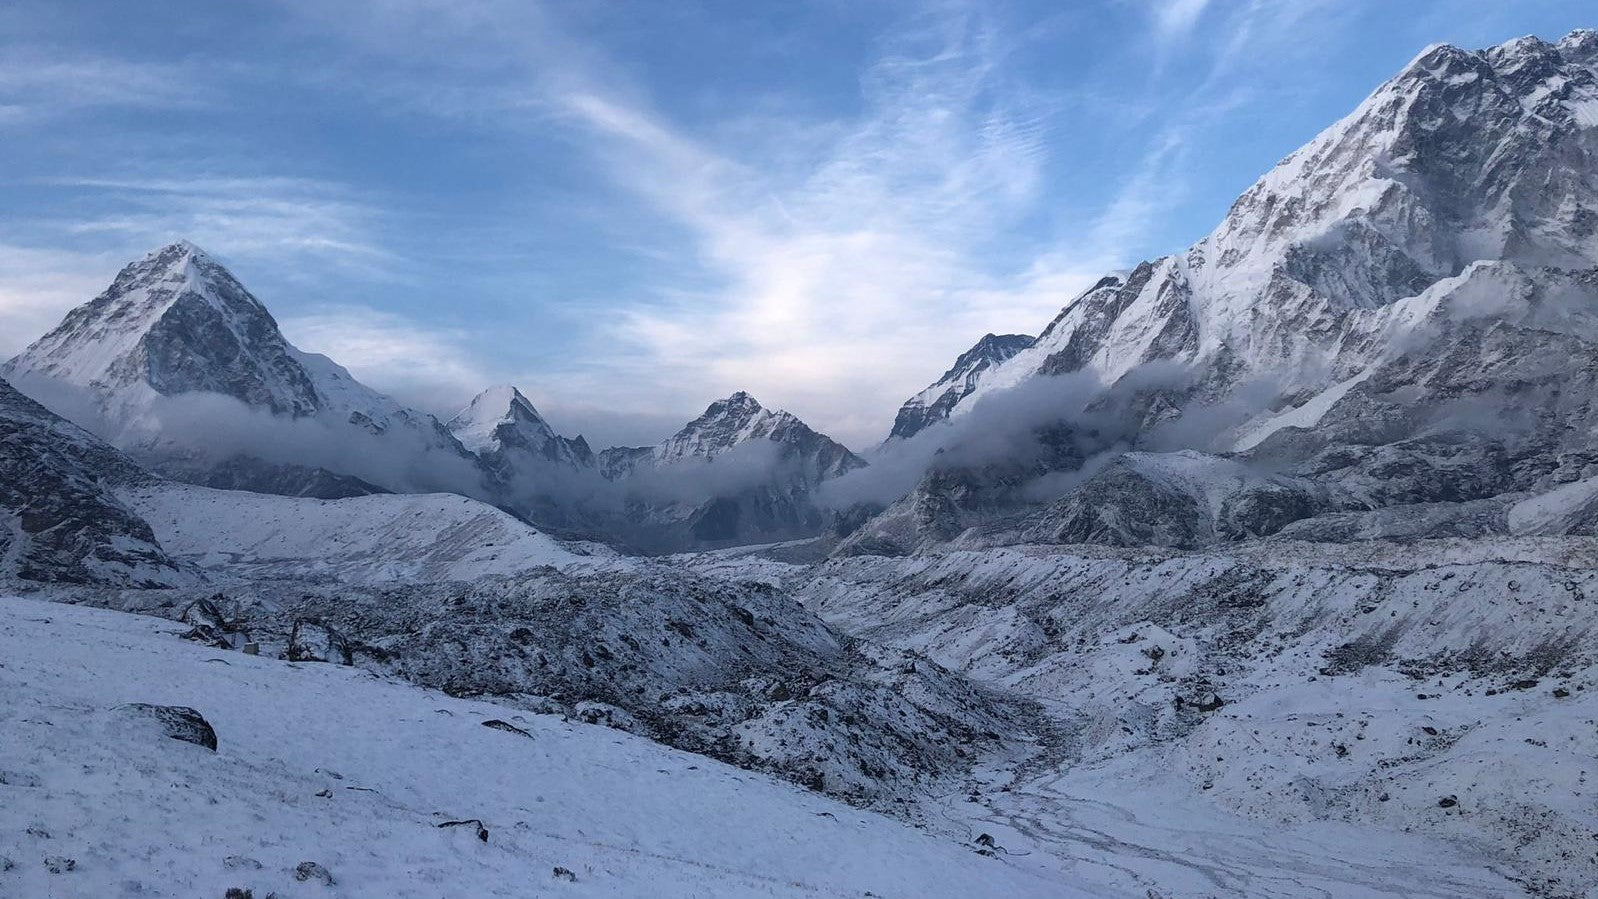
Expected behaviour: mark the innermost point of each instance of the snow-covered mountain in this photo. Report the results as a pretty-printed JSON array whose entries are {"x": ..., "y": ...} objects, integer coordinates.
[
  {"x": 529, "y": 468},
  {"x": 960, "y": 381},
  {"x": 501, "y": 425},
  {"x": 181, "y": 366},
  {"x": 1420, "y": 277},
  {"x": 740, "y": 421},
  {"x": 1464, "y": 163},
  {"x": 739, "y": 473}
]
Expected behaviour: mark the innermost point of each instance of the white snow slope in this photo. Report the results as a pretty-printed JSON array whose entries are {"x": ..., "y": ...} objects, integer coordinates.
[
  {"x": 364, "y": 539},
  {"x": 332, "y": 765}
]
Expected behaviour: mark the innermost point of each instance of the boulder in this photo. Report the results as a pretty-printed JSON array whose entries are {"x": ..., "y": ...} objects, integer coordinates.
[{"x": 177, "y": 722}]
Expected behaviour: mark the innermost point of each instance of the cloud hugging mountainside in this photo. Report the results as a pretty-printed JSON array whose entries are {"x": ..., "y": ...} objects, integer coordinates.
[
  {"x": 1390, "y": 332},
  {"x": 179, "y": 365}
]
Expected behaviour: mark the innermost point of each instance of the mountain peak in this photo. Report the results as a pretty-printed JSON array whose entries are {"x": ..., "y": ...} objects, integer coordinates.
[
  {"x": 742, "y": 400},
  {"x": 739, "y": 419},
  {"x": 174, "y": 322},
  {"x": 479, "y": 426},
  {"x": 938, "y": 399},
  {"x": 1581, "y": 44},
  {"x": 182, "y": 258},
  {"x": 181, "y": 246}
]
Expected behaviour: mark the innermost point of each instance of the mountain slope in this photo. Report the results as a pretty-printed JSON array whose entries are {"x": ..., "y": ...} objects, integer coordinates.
[
  {"x": 1462, "y": 157},
  {"x": 60, "y": 517},
  {"x": 234, "y": 535},
  {"x": 935, "y": 402},
  {"x": 319, "y": 763},
  {"x": 178, "y": 364},
  {"x": 1299, "y": 684},
  {"x": 1419, "y": 277}
]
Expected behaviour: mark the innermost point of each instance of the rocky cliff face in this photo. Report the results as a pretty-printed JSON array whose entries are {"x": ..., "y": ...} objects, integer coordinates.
[{"x": 60, "y": 518}]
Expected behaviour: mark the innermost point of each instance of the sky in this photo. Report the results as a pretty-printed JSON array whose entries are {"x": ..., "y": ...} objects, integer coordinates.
[{"x": 629, "y": 208}]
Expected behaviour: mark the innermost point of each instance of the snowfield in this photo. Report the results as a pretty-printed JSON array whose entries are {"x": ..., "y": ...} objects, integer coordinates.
[
  {"x": 366, "y": 539},
  {"x": 329, "y": 764}
]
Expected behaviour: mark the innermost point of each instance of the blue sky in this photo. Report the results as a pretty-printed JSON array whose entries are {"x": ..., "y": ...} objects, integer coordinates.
[{"x": 629, "y": 209}]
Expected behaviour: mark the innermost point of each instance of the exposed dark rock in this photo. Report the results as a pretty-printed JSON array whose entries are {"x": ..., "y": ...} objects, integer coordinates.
[
  {"x": 177, "y": 722},
  {"x": 506, "y": 726},
  {"x": 60, "y": 520},
  {"x": 307, "y": 871},
  {"x": 312, "y": 641},
  {"x": 478, "y": 828}
]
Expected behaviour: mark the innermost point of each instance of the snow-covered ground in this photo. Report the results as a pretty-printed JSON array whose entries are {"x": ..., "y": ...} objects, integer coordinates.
[
  {"x": 385, "y": 537},
  {"x": 329, "y": 764},
  {"x": 1242, "y": 719}
]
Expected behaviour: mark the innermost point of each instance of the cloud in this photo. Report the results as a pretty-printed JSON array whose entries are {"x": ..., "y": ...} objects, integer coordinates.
[
  {"x": 1175, "y": 19},
  {"x": 260, "y": 217},
  {"x": 872, "y": 247},
  {"x": 35, "y": 84}
]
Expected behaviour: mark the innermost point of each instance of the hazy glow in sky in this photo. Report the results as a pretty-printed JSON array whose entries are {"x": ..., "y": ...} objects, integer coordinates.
[{"x": 629, "y": 209}]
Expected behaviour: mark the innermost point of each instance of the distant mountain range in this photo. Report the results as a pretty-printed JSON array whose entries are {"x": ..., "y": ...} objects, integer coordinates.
[
  {"x": 1391, "y": 332},
  {"x": 180, "y": 366}
]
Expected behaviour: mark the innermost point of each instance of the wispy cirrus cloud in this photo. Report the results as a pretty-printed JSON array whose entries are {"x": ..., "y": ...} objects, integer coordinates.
[
  {"x": 874, "y": 242},
  {"x": 263, "y": 217},
  {"x": 36, "y": 84},
  {"x": 869, "y": 252}
]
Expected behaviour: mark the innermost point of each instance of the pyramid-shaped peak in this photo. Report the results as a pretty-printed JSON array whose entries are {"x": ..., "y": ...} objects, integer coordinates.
[
  {"x": 505, "y": 398},
  {"x": 176, "y": 322},
  {"x": 478, "y": 425}
]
